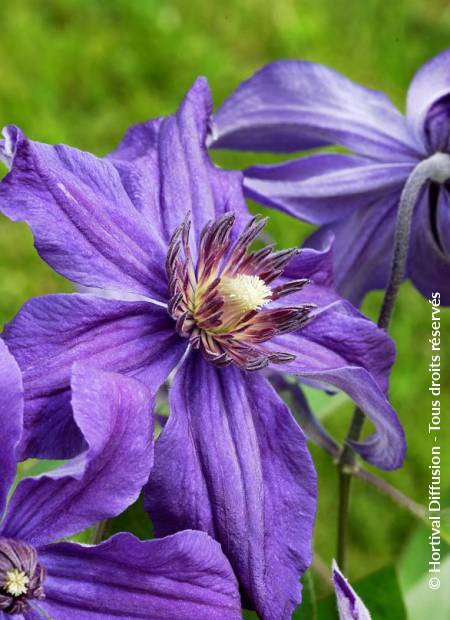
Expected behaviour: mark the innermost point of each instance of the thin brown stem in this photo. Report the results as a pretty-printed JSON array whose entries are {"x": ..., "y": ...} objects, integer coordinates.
[{"x": 394, "y": 494}]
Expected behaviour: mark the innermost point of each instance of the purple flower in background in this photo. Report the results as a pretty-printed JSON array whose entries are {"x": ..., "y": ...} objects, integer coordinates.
[
  {"x": 290, "y": 106},
  {"x": 185, "y": 575},
  {"x": 350, "y": 606},
  {"x": 156, "y": 218}
]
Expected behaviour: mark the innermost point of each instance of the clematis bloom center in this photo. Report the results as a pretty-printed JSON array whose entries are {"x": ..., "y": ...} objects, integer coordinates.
[
  {"x": 21, "y": 576},
  {"x": 16, "y": 582},
  {"x": 244, "y": 293},
  {"x": 219, "y": 303}
]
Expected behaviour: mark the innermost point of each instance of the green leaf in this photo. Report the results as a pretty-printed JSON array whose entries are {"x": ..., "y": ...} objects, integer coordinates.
[
  {"x": 134, "y": 520},
  {"x": 424, "y": 602},
  {"x": 380, "y": 593},
  {"x": 421, "y": 600}
]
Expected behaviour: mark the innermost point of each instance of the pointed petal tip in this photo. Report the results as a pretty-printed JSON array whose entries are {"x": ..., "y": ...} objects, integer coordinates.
[
  {"x": 8, "y": 147},
  {"x": 349, "y": 604}
]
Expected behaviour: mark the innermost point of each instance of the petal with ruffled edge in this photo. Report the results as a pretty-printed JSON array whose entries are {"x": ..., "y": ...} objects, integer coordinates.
[
  {"x": 429, "y": 259},
  {"x": 291, "y": 106},
  {"x": 326, "y": 187},
  {"x": 51, "y": 333},
  {"x": 232, "y": 461},
  {"x": 428, "y": 103},
  {"x": 342, "y": 349},
  {"x": 350, "y": 606},
  {"x": 185, "y": 180},
  {"x": 84, "y": 223},
  {"x": 11, "y": 419},
  {"x": 113, "y": 413},
  {"x": 181, "y": 576},
  {"x": 363, "y": 246}
]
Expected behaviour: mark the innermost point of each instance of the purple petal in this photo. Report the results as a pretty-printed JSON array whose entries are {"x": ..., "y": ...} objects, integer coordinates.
[
  {"x": 442, "y": 233},
  {"x": 317, "y": 266},
  {"x": 31, "y": 614},
  {"x": 114, "y": 415},
  {"x": 51, "y": 333},
  {"x": 299, "y": 405},
  {"x": 363, "y": 247},
  {"x": 324, "y": 188},
  {"x": 184, "y": 179},
  {"x": 428, "y": 103},
  {"x": 232, "y": 461},
  {"x": 343, "y": 349},
  {"x": 350, "y": 606},
  {"x": 136, "y": 160},
  {"x": 11, "y": 418},
  {"x": 429, "y": 261},
  {"x": 84, "y": 223},
  {"x": 182, "y": 576},
  {"x": 290, "y": 106}
]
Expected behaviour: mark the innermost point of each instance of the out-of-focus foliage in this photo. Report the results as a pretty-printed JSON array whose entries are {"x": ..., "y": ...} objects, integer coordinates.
[{"x": 82, "y": 71}]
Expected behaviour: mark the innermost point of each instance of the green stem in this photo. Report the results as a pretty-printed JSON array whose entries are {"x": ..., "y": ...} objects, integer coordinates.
[
  {"x": 436, "y": 168},
  {"x": 100, "y": 531}
]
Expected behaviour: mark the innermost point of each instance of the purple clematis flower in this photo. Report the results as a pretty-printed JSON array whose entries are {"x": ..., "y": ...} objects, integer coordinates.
[
  {"x": 350, "y": 606},
  {"x": 156, "y": 218},
  {"x": 184, "y": 576},
  {"x": 290, "y": 106}
]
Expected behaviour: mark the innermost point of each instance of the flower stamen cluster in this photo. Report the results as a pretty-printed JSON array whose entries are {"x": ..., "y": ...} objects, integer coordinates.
[
  {"x": 21, "y": 576},
  {"x": 219, "y": 304}
]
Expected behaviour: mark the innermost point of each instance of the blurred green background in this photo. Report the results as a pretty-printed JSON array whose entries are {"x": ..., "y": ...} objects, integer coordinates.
[{"x": 82, "y": 71}]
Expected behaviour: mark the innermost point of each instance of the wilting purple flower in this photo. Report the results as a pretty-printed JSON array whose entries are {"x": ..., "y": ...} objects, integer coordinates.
[
  {"x": 289, "y": 106},
  {"x": 350, "y": 606},
  {"x": 184, "y": 576},
  {"x": 157, "y": 219}
]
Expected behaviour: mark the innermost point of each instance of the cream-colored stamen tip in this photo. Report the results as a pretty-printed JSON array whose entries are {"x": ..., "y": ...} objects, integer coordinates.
[
  {"x": 16, "y": 582},
  {"x": 247, "y": 292}
]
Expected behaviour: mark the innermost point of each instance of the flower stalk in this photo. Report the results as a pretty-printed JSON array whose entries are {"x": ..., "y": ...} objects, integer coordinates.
[{"x": 435, "y": 168}]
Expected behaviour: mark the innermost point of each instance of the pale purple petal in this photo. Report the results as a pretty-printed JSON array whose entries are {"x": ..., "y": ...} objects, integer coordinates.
[
  {"x": 342, "y": 349},
  {"x": 428, "y": 103},
  {"x": 184, "y": 178},
  {"x": 326, "y": 187},
  {"x": 114, "y": 414},
  {"x": 291, "y": 105},
  {"x": 232, "y": 461},
  {"x": 363, "y": 246},
  {"x": 84, "y": 223},
  {"x": 350, "y": 606},
  {"x": 51, "y": 333},
  {"x": 185, "y": 576},
  {"x": 429, "y": 260},
  {"x": 11, "y": 419}
]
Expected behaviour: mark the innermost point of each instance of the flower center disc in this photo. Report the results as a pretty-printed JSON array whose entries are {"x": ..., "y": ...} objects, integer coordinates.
[
  {"x": 245, "y": 292},
  {"x": 21, "y": 576},
  {"x": 219, "y": 303},
  {"x": 16, "y": 582}
]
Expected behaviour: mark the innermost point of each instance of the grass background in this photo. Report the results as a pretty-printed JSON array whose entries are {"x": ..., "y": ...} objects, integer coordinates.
[{"x": 80, "y": 72}]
